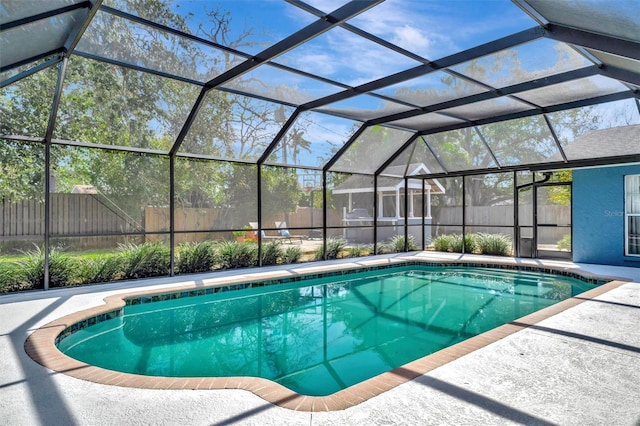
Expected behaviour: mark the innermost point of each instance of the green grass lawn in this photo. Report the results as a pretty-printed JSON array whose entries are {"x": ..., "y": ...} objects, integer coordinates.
[{"x": 87, "y": 255}]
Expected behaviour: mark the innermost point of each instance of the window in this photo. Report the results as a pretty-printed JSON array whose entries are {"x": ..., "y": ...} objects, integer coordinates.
[{"x": 632, "y": 215}]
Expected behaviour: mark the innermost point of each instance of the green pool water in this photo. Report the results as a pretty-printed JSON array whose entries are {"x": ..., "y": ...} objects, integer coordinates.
[{"x": 317, "y": 336}]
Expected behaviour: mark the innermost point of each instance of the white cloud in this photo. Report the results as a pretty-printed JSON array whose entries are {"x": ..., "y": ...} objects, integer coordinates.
[
  {"x": 411, "y": 25},
  {"x": 411, "y": 38},
  {"x": 315, "y": 62}
]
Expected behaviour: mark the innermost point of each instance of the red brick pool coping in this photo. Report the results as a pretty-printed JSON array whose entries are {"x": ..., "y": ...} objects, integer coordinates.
[{"x": 40, "y": 346}]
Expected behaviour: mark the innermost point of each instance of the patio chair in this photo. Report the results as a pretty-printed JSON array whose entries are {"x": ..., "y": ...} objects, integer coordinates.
[{"x": 284, "y": 233}]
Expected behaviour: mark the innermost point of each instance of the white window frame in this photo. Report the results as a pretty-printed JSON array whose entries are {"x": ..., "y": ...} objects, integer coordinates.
[{"x": 631, "y": 187}]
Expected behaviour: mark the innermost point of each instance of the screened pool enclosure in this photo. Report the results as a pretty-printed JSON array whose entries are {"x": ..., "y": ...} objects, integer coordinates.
[{"x": 288, "y": 131}]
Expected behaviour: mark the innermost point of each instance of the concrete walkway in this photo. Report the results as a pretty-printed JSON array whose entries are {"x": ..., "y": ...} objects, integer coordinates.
[{"x": 579, "y": 367}]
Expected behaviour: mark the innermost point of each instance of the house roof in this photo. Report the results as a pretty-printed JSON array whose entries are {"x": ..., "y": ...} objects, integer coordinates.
[
  {"x": 616, "y": 141},
  {"x": 389, "y": 183},
  {"x": 84, "y": 189}
]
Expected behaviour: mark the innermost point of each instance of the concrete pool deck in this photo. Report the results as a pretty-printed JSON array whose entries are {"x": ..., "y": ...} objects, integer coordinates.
[{"x": 579, "y": 366}]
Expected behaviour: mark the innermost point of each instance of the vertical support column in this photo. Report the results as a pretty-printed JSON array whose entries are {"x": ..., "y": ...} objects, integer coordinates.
[
  {"x": 324, "y": 215},
  {"x": 464, "y": 214},
  {"x": 534, "y": 244},
  {"x": 259, "y": 211},
  {"x": 62, "y": 69},
  {"x": 516, "y": 218},
  {"x": 47, "y": 207},
  {"x": 375, "y": 214},
  {"x": 571, "y": 215},
  {"x": 172, "y": 214},
  {"x": 406, "y": 214},
  {"x": 422, "y": 213}
]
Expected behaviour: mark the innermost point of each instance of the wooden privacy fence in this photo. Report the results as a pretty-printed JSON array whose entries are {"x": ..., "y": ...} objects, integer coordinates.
[
  {"x": 207, "y": 221},
  {"x": 307, "y": 217},
  {"x": 480, "y": 219},
  {"x": 22, "y": 222},
  {"x": 501, "y": 215},
  {"x": 85, "y": 215},
  {"x": 71, "y": 214},
  {"x": 157, "y": 219}
]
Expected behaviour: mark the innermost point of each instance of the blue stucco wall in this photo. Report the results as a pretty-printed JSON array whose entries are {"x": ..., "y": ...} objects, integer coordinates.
[{"x": 598, "y": 215}]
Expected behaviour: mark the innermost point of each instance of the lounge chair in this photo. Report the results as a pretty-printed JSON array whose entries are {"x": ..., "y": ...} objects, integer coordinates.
[{"x": 284, "y": 233}]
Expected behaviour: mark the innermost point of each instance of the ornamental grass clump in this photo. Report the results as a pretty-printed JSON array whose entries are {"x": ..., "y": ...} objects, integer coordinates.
[
  {"x": 145, "y": 260},
  {"x": 271, "y": 253},
  {"x": 196, "y": 257},
  {"x": 31, "y": 270},
  {"x": 396, "y": 245},
  {"x": 442, "y": 242},
  {"x": 334, "y": 249},
  {"x": 565, "y": 243},
  {"x": 102, "y": 270},
  {"x": 237, "y": 255},
  {"x": 291, "y": 255},
  {"x": 358, "y": 250},
  {"x": 470, "y": 245},
  {"x": 493, "y": 244},
  {"x": 11, "y": 278},
  {"x": 453, "y": 243},
  {"x": 383, "y": 248}
]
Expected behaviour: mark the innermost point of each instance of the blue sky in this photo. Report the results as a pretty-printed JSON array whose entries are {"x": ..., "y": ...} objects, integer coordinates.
[
  {"x": 429, "y": 28},
  {"x": 432, "y": 29}
]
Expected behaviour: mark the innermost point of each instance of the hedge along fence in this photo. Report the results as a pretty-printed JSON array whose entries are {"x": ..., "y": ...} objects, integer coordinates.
[
  {"x": 132, "y": 261},
  {"x": 480, "y": 243}
]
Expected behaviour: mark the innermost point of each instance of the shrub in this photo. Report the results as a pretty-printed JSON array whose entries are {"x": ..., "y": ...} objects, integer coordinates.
[
  {"x": 355, "y": 251},
  {"x": 318, "y": 254},
  {"x": 11, "y": 278},
  {"x": 565, "y": 243},
  {"x": 384, "y": 248},
  {"x": 237, "y": 255},
  {"x": 396, "y": 245},
  {"x": 334, "y": 247},
  {"x": 271, "y": 252},
  {"x": 291, "y": 255},
  {"x": 196, "y": 257},
  {"x": 442, "y": 243},
  {"x": 456, "y": 243},
  {"x": 145, "y": 260},
  {"x": 494, "y": 244},
  {"x": 102, "y": 270},
  {"x": 453, "y": 243},
  {"x": 61, "y": 269}
]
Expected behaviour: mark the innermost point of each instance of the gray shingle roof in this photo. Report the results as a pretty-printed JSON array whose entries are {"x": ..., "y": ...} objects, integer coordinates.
[{"x": 603, "y": 143}]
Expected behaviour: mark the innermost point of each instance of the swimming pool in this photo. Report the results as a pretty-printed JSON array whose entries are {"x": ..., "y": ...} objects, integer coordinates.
[{"x": 315, "y": 336}]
